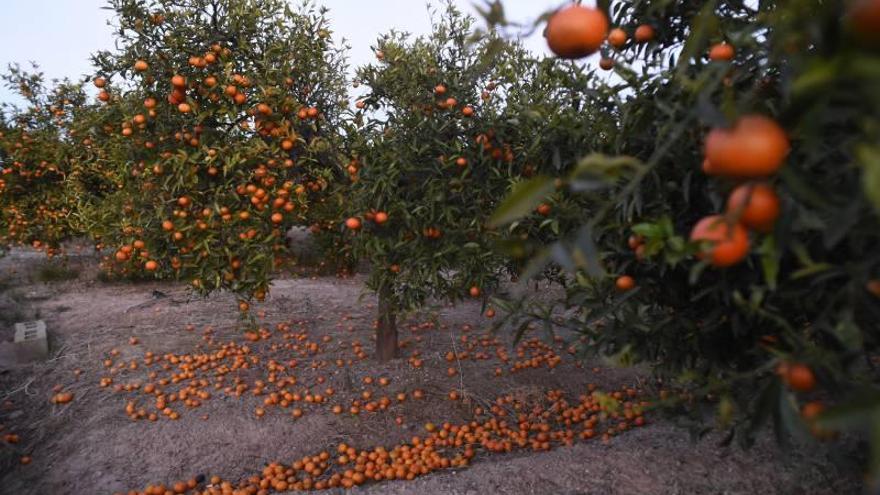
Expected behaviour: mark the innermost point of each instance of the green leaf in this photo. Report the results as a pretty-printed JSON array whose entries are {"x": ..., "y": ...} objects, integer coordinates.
[
  {"x": 770, "y": 261},
  {"x": 648, "y": 229},
  {"x": 815, "y": 78},
  {"x": 596, "y": 170},
  {"x": 869, "y": 158},
  {"x": 848, "y": 333},
  {"x": 523, "y": 198},
  {"x": 856, "y": 412}
]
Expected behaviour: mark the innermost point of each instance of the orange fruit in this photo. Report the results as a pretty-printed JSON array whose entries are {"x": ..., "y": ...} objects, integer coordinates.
[
  {"x": 467, "y": 111},
  {"x": 864, "y": 19},
  {"x": 141, "y": 66},
  {"x": 644, "y": 33},
  {"x": 755, "y": 146},
  {"x": 440, "y": 89},
  {"x": 728, "y": 245},
  {"x": 756, "y": 204},
  {"x": 625, "y": 283},
  {"x": 381, "y": 217},
  {"x": 100, "y": 82},
  {"x": 353, "y": 223},
  {"x": 474, "y": 291},
  {"x": 575, "y": 31},
  {"x": 543, "y": 209},
  {"x": 617, "y": 37},
  {"x": 707, "y": 167},
  {"x": 799, "y": 377},
  {"x": 635, "y": 241},
  {"x": 178, "y": 81},
  {"x": 811, "y": 410},
  {"x": 151, "y": 266},
  {"x": 721, "y": 51},
  {"x": 873, "y": 286},
  {"x": 184, "y": 108},
  {"x": 606, "y": 64}
]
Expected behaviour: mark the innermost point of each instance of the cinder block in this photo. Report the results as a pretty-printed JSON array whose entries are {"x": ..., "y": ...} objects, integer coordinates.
[{"x": 30, "y": 341}]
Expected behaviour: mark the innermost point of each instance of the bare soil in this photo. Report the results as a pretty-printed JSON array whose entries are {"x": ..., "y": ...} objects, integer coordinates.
[{"x": 92, "y": 446}]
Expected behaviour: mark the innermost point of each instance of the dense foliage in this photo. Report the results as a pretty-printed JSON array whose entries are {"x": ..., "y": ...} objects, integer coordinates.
[
  {"x": 772, "y": 323},
  {"x": 220, "y": 129},
  {"x": 35, "y": 160}
]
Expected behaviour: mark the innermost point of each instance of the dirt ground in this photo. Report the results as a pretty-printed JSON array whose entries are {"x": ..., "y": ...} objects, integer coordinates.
[{"x": 104, "y": 441}]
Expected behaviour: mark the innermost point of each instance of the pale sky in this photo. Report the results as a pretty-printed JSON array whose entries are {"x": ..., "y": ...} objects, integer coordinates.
[{"x": 61, "y": 34}]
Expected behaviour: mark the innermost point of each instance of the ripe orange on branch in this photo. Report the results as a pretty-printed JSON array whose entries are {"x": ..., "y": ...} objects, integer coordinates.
[
  {"x": 727, "y": 244},
  {"x": 576, "y": 32},
  {"x": 798, "y": 376},
  {"x": 617, "y": 37},
  {"x": 756, "y": 146},
  {"x": 353, "y": 223},
  {"x": 624, "y": 283},
  {"x": 756, "y": 205},
  {"x": 864, "y": 19},
  {"x": 721, "y": 52},
  {"x": 644, "y": 33}
]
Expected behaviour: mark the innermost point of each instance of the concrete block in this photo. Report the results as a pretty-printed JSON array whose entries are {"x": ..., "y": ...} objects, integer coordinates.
[{"x": 30, "y": 341}]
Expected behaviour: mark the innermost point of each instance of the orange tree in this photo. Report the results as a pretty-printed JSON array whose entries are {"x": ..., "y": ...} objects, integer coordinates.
[
  {"x": 438, "y": 145},
  {"x": 218, "y": 129},
  {"x": 729, "y": 231},
  {"x": 35, "y": 161}
]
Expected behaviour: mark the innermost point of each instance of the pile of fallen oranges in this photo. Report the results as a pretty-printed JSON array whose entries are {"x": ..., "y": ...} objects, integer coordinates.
[
  {"x": 510, "y": 425},
  {"x": 167, "y": 385},
  {"x": 296, "y": 373}
]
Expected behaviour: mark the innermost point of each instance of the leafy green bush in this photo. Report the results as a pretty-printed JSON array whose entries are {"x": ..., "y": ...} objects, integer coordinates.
[{"x": 794, "y": 326}]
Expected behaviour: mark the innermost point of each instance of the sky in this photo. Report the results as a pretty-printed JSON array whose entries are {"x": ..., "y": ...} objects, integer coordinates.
[{"x": 61, "y": 34}]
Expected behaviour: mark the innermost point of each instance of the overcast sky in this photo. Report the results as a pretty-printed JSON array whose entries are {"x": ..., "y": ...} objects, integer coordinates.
[{"x": 61, "y": 34}]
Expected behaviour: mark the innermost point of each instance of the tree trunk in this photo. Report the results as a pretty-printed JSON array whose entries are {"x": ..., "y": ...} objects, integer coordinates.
[{"x": 386, "y": 330}]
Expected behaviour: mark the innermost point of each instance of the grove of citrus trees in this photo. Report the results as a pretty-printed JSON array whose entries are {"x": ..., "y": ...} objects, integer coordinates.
[{"x": 707, "y": 193}]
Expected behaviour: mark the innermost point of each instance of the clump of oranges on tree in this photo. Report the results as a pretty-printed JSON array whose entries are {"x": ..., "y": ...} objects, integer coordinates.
[
  {"x": 731, "y": 210},
  {"x": 218, "y": 129},
  {"x": 430, "y": 167},
  {"x": 35, "y": 161},
  {"x": 457, "y": 128}
]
